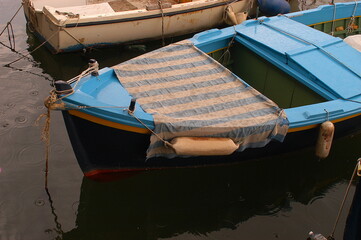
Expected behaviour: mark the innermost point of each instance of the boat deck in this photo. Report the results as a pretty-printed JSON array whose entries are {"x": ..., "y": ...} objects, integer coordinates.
[
  {"x": 329, "y": 65},
  {"x": 126, "y": 5},
  {"x": 115, "y": 5},
  {"x": 325, "y": 64}
]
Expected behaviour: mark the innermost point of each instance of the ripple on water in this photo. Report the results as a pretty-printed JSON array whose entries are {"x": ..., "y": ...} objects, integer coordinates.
[
  {"x": 40, "y": 108},
  {"x": 31, "y": 155},
  {"x": 320, "y": 209},
  {"x": 34, "y": 93},
  {"x": 26, "y": 135},
  {"x": 39, "y": 202},
  {"x": 21, "y": 119},
  {"x": 26, "y": 117},
  {"x": 270, "y": 210},
  {"x": 17, "y": 115},
  {"x": 10, "y": 105},
  {"x": 7, "y": 156},
  {"x": 10, "y": 207},
  {"x": 5, "y": 126},
  {"x": 58, "y": 148},
  {"x": 34, "y": 195},
  {"x": 75, "y": 207}
]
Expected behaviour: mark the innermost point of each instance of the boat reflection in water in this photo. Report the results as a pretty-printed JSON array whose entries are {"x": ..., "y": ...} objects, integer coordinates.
[
  {"x": 353, "y": 224},
  {"x": 198, "y": 201}
]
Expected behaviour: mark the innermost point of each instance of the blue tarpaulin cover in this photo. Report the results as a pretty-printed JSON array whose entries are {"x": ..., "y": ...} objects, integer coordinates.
[{"x": 190, "y": 94}]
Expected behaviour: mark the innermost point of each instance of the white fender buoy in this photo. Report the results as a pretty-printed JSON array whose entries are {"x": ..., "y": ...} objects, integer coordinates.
[
  {"x": 230, "y": 17},
  {"x": 203, "y": 146},
  {"x": 324, "y": 141},
  {"x": 241, "y": 17}
]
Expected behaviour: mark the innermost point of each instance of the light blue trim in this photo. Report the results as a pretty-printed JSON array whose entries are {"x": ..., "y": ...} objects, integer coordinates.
[{"x": 105, "y": 90}]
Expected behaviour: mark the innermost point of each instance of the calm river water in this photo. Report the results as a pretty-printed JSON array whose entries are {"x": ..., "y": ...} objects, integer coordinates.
[{"x": 271, "y": 198}]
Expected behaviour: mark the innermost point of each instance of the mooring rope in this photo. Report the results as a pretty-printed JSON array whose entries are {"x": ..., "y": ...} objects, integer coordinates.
[
  {"x": 227, "y": 54},
  {"x": 11, "y": 37},
  {"x": 12, "y": 43},
  {"x": 350, "y": 26},
  {"x": 57, "y": 223},
  {"x": 11, "y": 20},
  {"x": 10, "y": 31},
  {"x": 50, "y": 103},
  {"x": 26, "y": 55},
  {"x": 166, "y": 143},
  {"x": 35, "y": 74},
  {"x": 45, "y": 137},
  {"x": 162, "y": 12},
  {"x": 344, "y": 200},
  {"x": 73, "y": 37},
  {"x": 334, "y": 18},
  {"x": 350, "y": 100}
]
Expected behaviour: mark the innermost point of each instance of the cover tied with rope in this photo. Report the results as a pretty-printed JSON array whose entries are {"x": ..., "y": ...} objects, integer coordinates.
[{"x": 190, "y": 94}]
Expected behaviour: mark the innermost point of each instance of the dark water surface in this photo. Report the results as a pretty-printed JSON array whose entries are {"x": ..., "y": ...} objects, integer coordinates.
[{"x": 272, "y": 198}]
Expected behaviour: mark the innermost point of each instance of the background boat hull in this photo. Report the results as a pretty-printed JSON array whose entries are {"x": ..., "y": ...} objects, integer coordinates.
[{"x": 127, "y": 28}]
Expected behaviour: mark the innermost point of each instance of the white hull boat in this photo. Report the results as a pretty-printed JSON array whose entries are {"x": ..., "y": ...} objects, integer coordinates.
[{"x": 79, "y": 24}]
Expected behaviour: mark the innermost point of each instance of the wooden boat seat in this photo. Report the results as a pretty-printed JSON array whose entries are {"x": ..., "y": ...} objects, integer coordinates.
[{"x": 122, "y": 5}]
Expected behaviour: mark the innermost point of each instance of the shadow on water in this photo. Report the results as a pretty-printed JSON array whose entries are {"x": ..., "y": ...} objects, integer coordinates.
[
  {"x": 67, "y": 65},
  {"x": 198, "y": 201},
  {"x": 353, "y": 223}
]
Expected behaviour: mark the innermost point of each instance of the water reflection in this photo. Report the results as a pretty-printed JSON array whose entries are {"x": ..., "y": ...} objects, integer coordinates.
[
  {"x": 198, "y": 201},
  {"x": 67, "y": 65},
  {"x": 353, "y": 229}
]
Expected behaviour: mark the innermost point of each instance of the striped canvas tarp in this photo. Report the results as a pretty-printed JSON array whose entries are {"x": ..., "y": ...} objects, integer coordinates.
[{"x": 190, "y": 94}]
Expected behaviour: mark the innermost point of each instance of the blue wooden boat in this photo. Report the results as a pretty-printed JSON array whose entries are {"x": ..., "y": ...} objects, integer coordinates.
[{"x": 262, "y": 87}]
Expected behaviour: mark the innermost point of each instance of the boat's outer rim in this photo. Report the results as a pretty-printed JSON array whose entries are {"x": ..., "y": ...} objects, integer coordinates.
[
  {"x": 108, "y": 123},
  {"x": 128, "y": 128}
]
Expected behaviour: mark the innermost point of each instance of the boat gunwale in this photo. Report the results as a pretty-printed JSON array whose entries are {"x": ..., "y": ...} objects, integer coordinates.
[{"x": 101, "y": 121}]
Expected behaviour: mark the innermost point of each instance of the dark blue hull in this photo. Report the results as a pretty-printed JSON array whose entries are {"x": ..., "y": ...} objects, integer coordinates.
[{"x": 101, "y": 149}]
